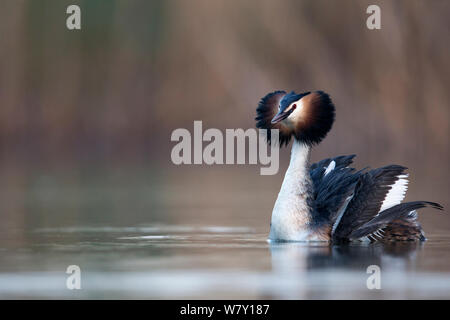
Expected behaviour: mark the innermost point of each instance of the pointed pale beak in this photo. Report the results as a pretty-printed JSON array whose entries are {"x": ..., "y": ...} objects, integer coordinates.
[{"x": 280, "y": 116}]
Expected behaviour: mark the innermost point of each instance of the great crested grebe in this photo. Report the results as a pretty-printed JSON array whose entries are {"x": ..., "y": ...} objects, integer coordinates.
[{"x": 328, "y": 201}]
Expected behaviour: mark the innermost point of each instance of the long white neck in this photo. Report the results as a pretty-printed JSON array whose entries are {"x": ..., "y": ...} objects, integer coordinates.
[{"x": 291, "y": 213}]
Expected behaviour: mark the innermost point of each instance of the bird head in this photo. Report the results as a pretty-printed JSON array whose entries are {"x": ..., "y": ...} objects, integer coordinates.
[{"x": 307, "y": 116}]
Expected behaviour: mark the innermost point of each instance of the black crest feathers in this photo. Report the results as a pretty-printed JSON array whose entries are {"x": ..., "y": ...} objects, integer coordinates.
[{"x": 266, "y": 110}]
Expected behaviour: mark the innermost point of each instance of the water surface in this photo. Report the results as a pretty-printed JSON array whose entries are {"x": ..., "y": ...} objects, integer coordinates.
[
  {"x": 189, "y": 234},
  {"x": 212, "y": 261}
]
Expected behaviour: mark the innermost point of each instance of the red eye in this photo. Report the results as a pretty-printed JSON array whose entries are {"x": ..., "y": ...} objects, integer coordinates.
[{"x": 294, "y": 106}]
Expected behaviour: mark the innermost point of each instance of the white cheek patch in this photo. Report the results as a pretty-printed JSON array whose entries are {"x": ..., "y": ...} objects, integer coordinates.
[
  {"x": 298, "y": 110},
  {"x": 396, "y": 194}
]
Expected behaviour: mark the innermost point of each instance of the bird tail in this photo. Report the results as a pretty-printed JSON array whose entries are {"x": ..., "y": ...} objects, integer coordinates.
[{"x": 398, "y": 223}]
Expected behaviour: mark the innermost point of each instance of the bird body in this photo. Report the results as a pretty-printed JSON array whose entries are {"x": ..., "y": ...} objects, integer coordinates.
[
  {"x": 292, "y": 211},
  {"x": 328, "y": 200}
]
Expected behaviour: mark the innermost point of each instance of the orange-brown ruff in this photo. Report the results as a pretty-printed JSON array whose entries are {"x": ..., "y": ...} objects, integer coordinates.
[{"x": 329, "y": 200}]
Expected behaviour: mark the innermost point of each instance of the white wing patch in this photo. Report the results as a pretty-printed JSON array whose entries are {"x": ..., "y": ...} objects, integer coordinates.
[
  {"x": 397, "y": 193},
  {"x": 330, "y": 167}
]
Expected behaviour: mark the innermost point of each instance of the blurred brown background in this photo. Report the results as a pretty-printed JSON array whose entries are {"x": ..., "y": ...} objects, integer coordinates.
[{"x": 86, "y": 116}]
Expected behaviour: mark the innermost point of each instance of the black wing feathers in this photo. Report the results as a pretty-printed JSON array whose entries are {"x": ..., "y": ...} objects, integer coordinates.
[
  {"x": 368, "y": 197},
  {"x": 331, "y": 190},
  {"x": 401, "y": 210},
  {"x": 365, "y": 192},
  {"x": 341, "y": 162}
]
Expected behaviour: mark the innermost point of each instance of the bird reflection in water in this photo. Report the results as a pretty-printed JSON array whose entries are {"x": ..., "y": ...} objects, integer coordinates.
[
  {"x": 306, "y": 270},
  {"x": 307, "y": 256}
]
